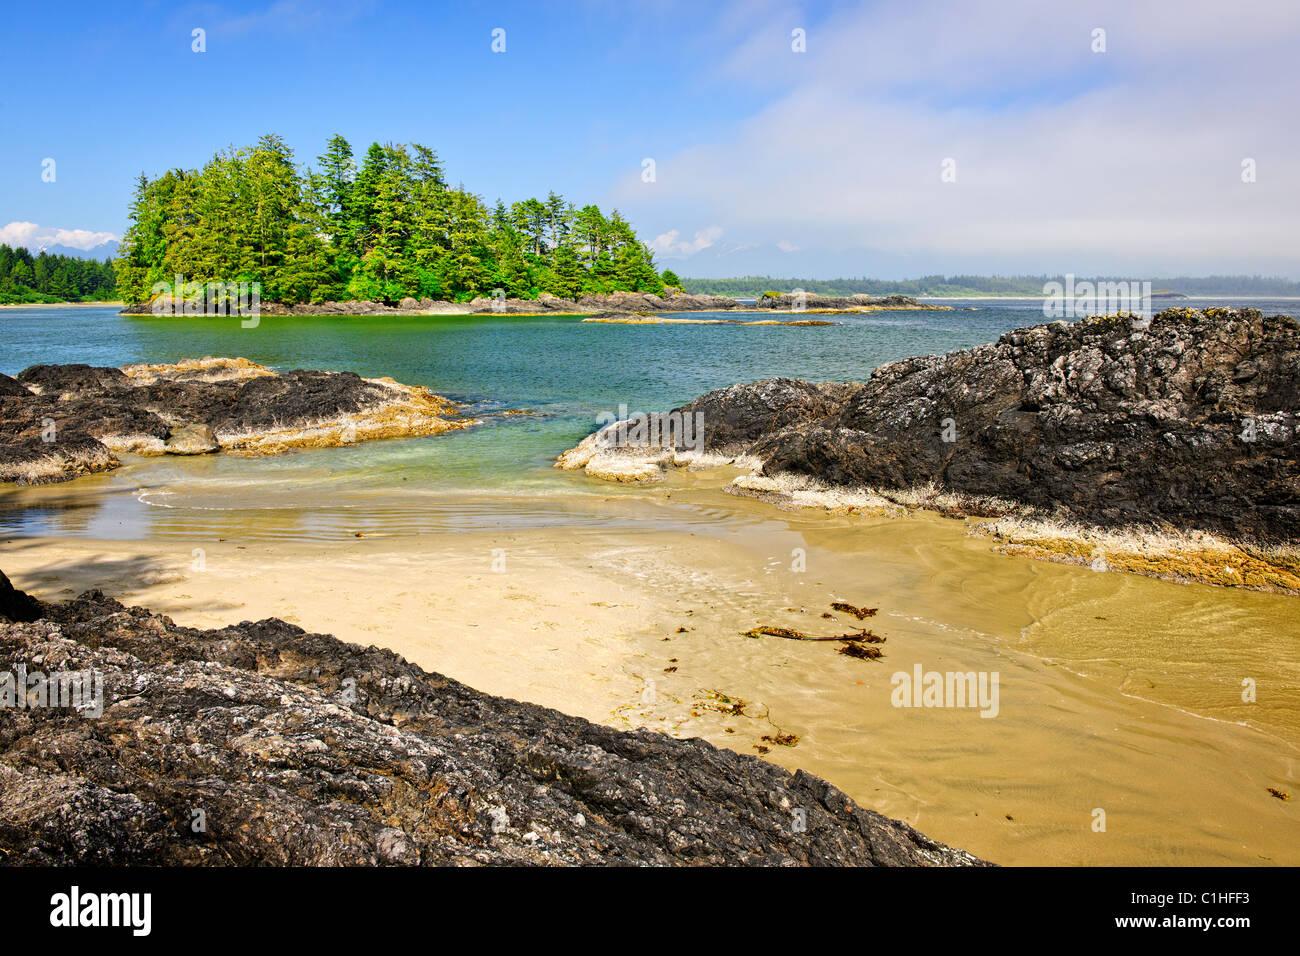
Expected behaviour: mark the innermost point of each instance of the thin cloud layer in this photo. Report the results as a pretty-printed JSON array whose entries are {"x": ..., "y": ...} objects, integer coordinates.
[
  {"x": 669, "y": 245},
  {"x": 937, "y": 136}
]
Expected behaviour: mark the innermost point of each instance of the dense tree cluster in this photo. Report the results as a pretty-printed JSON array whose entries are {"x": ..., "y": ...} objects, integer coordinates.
[
  {"x": 387, "y": 227},
  {"x": 46, "y": 278}
]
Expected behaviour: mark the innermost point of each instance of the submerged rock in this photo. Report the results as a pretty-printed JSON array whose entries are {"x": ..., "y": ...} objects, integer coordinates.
[
  {"x": 67, "y": 420},
  {"x": 1188, "y": 422},
  {"x": 260, "y": 743}
]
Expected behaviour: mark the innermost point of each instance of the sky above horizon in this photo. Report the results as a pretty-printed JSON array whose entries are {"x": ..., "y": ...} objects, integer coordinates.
[{"x": 905, "y": 139}]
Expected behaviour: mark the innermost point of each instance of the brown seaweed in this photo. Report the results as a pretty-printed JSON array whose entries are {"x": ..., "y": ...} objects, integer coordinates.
[{"x": 858, "y": 612}]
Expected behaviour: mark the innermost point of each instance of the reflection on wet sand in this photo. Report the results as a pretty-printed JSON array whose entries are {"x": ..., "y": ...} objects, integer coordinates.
[{"x": 1118, "y": 694}]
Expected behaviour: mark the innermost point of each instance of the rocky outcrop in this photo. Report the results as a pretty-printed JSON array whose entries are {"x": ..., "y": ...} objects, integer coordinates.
[
  {"x": 612, "y": 301},
  {"x": 672, "y": 300},
  {"x": 163, "y": 306},
  {"x": 68, "y": 420},
  {"x": 260, "y": 743},
  {"x": 1188, "y": 420},
  {"x": 787, "y": 301},
  {"x": 606, "y": 302}
]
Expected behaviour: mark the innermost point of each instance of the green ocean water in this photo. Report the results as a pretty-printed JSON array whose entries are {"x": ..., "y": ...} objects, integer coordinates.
[{"x": 563, "y": 372}]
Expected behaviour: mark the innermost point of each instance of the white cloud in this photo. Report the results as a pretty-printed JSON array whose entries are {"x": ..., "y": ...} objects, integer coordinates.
[
  {"x": 668, "y": 245},
  {"x": 785, "y": 245},
  {"x": 34, "y": 237},
  {"x": 1065, "y": 159}
]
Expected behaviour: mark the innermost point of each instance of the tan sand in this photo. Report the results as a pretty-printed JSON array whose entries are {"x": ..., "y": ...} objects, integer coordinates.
[{"x": 1117, "y": 693}]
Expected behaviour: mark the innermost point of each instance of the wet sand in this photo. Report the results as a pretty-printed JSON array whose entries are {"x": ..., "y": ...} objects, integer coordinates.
[{"x": 1116, "y": 693}]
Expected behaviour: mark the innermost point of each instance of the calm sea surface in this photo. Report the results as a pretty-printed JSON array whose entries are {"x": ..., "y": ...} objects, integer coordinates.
[{"x": 560, "y": 370}]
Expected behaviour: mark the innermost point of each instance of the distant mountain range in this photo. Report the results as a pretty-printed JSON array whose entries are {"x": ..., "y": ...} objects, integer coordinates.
[{"x": 107, "y": 250}]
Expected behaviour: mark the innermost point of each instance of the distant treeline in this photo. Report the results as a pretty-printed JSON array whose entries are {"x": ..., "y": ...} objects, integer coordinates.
[
  {"x": 386, "y": 228},
  {"x": 25, "y": 278},
  {"x": 964, "y": 285}
]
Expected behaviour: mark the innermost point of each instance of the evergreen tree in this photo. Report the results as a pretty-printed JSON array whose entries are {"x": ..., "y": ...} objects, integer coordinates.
[{"x": 389, "y": 228}]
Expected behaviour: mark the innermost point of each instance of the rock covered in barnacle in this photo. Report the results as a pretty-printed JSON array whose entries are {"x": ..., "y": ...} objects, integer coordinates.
[{"x": 259, "y": 743}]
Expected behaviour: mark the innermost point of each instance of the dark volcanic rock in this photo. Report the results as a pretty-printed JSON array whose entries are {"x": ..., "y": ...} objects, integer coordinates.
[
  {"x": 26, "y": 460},
  {"x": 1114, "y": 425},
  {"x": 743, "y": 414},
  {"x": 71, "y": 379},
  {"x": 610, "y": 303},
  {"x": 11, "y": 386},
  {"x": 262, "y": 744},
  {"x": 299, "y": 396},
  {"x": 61, "y": 421},
  {"x": 1191, "y": 421},
  {"x": 15, "y": 605}
]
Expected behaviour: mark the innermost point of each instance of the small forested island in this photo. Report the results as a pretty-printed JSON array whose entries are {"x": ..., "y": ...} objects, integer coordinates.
[
  {"x": 388, "y": 228},
  {"x": 27, "y": 279}
]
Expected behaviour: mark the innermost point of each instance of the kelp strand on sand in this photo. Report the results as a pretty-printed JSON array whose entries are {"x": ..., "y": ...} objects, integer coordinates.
[{"x": 858, "y": 645}]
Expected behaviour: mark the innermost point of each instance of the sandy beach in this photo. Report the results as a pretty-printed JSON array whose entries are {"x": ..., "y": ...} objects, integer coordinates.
[{"x": 642, "y": 625}]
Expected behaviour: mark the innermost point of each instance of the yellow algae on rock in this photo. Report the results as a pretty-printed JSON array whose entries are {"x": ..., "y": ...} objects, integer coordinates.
[{"x": 206, "y": 369}]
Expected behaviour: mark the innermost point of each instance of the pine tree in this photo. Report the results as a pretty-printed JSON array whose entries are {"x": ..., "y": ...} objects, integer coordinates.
[{"x": 389, "y": 229}]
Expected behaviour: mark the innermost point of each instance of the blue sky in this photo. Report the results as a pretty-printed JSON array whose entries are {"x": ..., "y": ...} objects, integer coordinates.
[{"x": 817, "y": 163}]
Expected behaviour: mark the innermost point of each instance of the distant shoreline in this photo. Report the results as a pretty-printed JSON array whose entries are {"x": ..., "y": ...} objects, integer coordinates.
[
  {"x": 56, "y": 305},
  {"x": 742, "y": 299},
  {"x": 1183, "y": 297}
]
